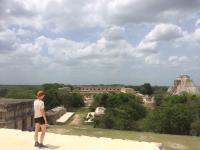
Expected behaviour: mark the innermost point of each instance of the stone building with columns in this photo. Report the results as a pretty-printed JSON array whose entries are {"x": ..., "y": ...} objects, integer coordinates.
[{"x": 89, "y": 91}]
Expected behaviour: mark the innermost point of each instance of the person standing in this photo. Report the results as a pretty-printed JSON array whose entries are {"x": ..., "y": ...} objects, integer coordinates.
[{"x": 40, "y": 119}]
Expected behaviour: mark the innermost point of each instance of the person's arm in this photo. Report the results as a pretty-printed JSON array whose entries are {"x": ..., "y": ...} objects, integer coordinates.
[
  {"x": 44, "y": 115},
  {"x": 42, "y": 111}
]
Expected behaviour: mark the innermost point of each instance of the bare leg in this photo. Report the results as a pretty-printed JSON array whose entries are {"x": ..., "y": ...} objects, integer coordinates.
[
  {"x": 43, "y": 128},
  {"x": 37, "y": 128}
]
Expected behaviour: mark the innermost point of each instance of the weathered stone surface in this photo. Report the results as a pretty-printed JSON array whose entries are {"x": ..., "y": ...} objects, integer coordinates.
[
  {"x": 16, "y": 113},
  {"x": 54, "y": 114},
  {"x": 17, "y": 140},
  {"x": 183, "y": 83},
  {"x": 100, "y": 111},
  {"x": 64, "y": 118},
  {"x": 90, "y": 117}
]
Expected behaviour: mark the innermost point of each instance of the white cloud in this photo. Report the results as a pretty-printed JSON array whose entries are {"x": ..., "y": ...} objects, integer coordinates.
[
  {"x": 135, "y": 11},
  {"x": 197, "y": 23},
  {"x": 7, "y": 38},
  {"x": 114, "y": 33},
  {"x": 110, "y": 50},
  {"x": 7, "y": 35},
  {"x": 100, "y": 52},
  {"x": 24, "y": 33},
  {"x": 164, "y": 32},
  {"x": 178, "y": 60},
  {"x": 60, "y": 15},
  {"x": 47, "y": 34},
  {"x": 152, "y": 59},
  {"x": 146, "y": 48},
  {"x": 161, "y": 32},
  {"x": 20, "y": 13},
  {"x": 190, "y": 39}
]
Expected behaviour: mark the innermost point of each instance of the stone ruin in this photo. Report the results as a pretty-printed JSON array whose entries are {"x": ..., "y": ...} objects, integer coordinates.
[
  {"x": 98, "y": 112},
  {"x": 90, "y": 117},
  {"x": 54, "y": 114},
  {"x": 183, "y": 83},
  {"x": 16, "y": 114}
]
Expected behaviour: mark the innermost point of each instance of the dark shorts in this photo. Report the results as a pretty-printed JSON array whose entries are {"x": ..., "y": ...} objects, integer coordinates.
[{"x": 40, "y": 120}]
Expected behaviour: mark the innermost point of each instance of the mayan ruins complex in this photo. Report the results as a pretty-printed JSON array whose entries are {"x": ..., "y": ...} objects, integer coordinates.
[
  {"x": 89, "y": 91},
  {"x": 183, "y": 83},
  {"x": 16, "y": 113}
]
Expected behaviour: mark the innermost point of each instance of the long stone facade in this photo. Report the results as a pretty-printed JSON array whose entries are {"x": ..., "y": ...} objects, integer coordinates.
[
  {"x": 88, "y": 92},
  {"x": 16, "y": 113}
]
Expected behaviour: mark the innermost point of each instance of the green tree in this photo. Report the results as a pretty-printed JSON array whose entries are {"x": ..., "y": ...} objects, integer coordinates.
[
  {"x": 160, "y": 95},
  {"x": 3, "y": 92},
  {"x": 19, "y": 93},
  {"x": 171, "y": 120},
  {"x": 195, "y": 128},
  {"x": 51, "y": 99},
  {"x": 55, "y": 97},
  {"x": 148, "y": 88},
  {"x": 70, "y": 99},
  {"x": 122, "y": 111},
  {"x": 177, "y": 114}
]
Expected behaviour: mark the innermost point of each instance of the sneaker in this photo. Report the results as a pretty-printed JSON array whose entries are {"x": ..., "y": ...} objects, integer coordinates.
[
  {"x": 37, "y": 144},
  {"x": 42, "y": 146}
]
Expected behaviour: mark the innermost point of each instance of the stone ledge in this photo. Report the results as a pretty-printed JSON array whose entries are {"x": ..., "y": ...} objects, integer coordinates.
[{"x": 17, "y": 140}]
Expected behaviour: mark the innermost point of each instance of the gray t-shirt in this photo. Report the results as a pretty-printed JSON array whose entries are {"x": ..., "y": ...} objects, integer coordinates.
[{"x": 38, "y": 105}]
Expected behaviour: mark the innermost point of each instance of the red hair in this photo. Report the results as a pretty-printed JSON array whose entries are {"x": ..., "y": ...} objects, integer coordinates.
[{"x": 40, "y": 93}]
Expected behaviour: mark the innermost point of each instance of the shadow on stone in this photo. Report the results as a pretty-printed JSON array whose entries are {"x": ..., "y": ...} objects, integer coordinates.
[{"x": 52, "y": 146}]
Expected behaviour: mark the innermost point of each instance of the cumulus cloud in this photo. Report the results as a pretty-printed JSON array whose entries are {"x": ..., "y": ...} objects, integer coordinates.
[
  {"x": 103, "y": 51},
  {"x": 129, "y": 11},
  {"x": 178, "y": 60},
  {"x": 62, "y": 14},
  {"x": 20, "y": 13},
  {"x": 7, "y": 38},
  {"x": 111, "y": 49},
  {"x": 197, "y": 23},
  {"x": 190, "y": 39},
  {"x": 114, "y": 33},
  {"x": 65, "y": 35},
  {"x": 164, "y": 32},
  {"x": 152, "y": 59},
  {"x": 24, "y": 33},
  {"x": 146, "y": 48},
  {"x": 161, "y": 32}
]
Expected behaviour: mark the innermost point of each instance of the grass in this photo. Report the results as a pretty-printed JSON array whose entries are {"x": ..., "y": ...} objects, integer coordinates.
[{"x": 170, "y": 142}]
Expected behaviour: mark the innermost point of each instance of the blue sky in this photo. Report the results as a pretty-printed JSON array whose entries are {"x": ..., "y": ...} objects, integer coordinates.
[{"x": 99, "y": 42}]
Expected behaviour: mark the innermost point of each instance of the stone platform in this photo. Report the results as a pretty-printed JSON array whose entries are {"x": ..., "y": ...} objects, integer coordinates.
[
  {"x": 23, "y": 140},
  {"x": 64, "y": 118}
]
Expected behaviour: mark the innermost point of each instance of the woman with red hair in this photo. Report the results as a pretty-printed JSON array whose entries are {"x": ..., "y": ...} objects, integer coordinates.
[{"x": 40, "y": 119}]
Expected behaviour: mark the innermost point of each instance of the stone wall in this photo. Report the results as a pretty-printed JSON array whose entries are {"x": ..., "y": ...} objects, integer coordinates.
[
  {"x": 92, "y": 89},
  {"x": 16, "y": 114}
]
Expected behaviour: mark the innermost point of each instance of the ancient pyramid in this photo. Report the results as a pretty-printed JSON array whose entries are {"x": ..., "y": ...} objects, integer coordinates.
[{"x": 183, "y": 83}]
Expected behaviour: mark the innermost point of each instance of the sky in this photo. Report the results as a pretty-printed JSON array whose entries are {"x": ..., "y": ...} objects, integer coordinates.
[{"x": 99, "y": 41}]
